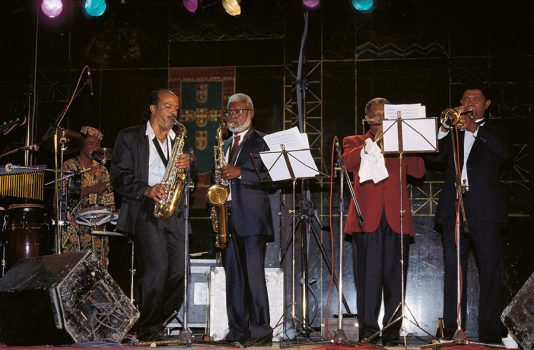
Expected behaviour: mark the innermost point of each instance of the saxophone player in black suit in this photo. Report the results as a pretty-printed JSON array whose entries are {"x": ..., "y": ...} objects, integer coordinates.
[
  {"x": 483, "y": 149},
  {"x": 138, "y": 165},
  {"x": 250, "y": 226}
]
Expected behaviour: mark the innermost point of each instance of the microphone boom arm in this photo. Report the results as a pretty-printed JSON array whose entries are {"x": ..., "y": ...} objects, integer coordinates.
[{"x": 352, "y": 194}]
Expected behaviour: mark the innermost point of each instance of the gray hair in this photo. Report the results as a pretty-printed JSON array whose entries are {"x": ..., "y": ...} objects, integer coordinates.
[
  {"x": 241, "y": 97},
  {"x": 375, "y": 101}
]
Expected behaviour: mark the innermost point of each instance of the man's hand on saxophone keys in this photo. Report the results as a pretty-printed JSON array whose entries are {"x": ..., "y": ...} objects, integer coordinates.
[
  {"x": 156, "y": 192},
  {"x": 183, "y": 161},
  {"x": 229, "y": 172}
]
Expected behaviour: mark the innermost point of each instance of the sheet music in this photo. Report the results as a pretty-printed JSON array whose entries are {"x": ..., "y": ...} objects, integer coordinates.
[
  {"x": 300, "y": 157},
  {"x": 418, "y": 135},
  {"x": 408, "y": 111}
]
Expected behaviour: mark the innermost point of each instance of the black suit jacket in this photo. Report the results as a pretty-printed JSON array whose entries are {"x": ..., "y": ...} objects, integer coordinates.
[
  {"x": 485, "y": 199},
  {"x": 250, "y": 206},
  {"x": 129, "y": 173}
]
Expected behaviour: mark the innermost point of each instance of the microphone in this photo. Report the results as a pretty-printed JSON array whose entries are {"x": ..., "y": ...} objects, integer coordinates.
[{"x": 90, "y": 80}]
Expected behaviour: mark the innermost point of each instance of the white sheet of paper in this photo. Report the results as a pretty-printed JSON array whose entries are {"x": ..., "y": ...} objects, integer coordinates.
[
  {"x": 407, "y": 111},
  {"x": 299, "y": 155},
  {"x": 418, "y": 135}
]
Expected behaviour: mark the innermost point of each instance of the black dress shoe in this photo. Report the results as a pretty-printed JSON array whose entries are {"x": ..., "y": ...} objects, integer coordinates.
[
  {"x": 266, "y": 340},
  {"x": 375, "y": 340},
  {"x": 391, "y": 342}
]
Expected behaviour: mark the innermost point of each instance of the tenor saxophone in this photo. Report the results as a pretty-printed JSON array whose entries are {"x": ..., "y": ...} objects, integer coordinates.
[
  {"x": 174, "y": 178},
  {"x": 218, "y": 193}
]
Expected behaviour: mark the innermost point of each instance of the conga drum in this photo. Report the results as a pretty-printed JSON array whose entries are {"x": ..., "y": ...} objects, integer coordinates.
[{"x": 27, "y": 233}]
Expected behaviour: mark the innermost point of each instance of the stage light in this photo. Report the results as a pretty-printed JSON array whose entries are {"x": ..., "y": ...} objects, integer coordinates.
[
  {"x": 191, "y": 5},
  {"x": 363, "y": 5},
  {"x": 311, "y": 4},
  {"x": 95, "y": 8},
  {"x": 52, "y": 8},
  {"x": 232, "y": 7}
]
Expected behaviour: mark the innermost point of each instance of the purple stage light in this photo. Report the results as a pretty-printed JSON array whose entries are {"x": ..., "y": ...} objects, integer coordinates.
[{"x": 52, "y": 8}]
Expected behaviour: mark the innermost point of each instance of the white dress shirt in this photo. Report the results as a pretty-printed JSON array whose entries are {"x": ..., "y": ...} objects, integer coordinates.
[
  {"x": 469, "y": 140},
  {"x": 156, "y": 168}
]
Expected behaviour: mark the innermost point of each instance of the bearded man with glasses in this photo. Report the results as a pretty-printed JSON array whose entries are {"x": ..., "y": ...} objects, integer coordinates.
[{"x": 250, "y": 227}]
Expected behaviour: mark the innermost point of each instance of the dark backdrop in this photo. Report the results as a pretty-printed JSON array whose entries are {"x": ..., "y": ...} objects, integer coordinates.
[{"x": 411, "y": 51}]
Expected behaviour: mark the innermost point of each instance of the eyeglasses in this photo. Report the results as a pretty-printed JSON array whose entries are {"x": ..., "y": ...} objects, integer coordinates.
[{"x": 237, "y": 112}]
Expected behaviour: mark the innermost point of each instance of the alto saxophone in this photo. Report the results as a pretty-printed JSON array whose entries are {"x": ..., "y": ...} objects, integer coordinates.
[
  {"x": 218, "y": 193},
  {"x": 174, "y": 178}
]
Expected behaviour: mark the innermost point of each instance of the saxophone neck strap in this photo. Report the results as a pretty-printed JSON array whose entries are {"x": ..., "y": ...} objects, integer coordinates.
[{"x": 160, "y": 151}]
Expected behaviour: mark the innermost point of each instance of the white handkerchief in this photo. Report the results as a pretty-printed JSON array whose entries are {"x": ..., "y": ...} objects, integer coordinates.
[{"x": 372, "y": 165}]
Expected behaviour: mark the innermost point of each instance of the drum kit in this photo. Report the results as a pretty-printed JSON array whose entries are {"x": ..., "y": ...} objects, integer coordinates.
[{"x": 24, "y": 227}]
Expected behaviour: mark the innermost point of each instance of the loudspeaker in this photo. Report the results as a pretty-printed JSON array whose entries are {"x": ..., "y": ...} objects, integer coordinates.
[
  {"x": 518, "y": 316},
  {"x": 61, "y": 299}
]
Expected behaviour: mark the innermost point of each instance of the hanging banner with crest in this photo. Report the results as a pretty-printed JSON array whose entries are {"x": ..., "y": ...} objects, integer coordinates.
[{"x": 203, "y": 94}]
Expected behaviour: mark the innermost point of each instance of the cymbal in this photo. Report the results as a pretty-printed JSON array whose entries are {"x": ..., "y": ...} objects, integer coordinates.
[
  {"x": 73, "y": 140},
  {"x": 102, "y": 155}
]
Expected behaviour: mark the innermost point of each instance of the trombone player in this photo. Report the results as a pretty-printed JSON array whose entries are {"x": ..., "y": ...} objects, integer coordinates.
[
  {"x": 481, "y": 150},
  {"x": 376, "y": 244}
]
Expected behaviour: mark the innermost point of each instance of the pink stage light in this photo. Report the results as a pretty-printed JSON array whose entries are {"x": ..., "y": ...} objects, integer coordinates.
[
  {"x": 311, "y": 4},
  {"x": 52, "y": 8},
  {"x": 191, "y": 5}
]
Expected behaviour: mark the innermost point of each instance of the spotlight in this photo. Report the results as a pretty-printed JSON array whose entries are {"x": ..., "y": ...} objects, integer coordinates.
[
  {"x": 311, "y": 4},
  {"x": 232, "y": 7},
  {"x": 363, "y": 5},
  {"x": 191, "y": 5},
  {"x": 95, "y": 8},
  {"x": 52, "y": 8}
]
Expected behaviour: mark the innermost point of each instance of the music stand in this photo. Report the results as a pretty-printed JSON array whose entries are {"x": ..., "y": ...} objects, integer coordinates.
[
  {"x": 285, "y": 165},
  {"x": 413, "y": 135}
]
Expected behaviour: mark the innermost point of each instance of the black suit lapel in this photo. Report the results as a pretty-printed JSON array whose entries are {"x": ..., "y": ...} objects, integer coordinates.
[
  {"x": 461, "y": 138},
  {"x": 143, "y": 152}
]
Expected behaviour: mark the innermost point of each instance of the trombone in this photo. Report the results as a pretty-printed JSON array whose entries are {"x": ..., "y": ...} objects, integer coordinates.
[{"x": 450, "y": 117}]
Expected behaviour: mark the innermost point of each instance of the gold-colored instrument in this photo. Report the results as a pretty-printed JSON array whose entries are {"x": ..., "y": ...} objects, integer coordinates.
[
  {"x": 218, "y": 193},
  {"x": 174, "y": 178},
  {"x": 449, "y": 117}
]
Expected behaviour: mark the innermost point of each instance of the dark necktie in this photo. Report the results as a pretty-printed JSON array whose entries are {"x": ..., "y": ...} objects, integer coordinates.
[{"x": 235, "y": 147}]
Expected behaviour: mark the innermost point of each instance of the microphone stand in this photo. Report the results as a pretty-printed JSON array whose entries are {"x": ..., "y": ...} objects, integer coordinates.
[
  {"x": 186, "y": 335},
  {"x": 340, "y": 336},
  {"x": 61, "y": 205}
]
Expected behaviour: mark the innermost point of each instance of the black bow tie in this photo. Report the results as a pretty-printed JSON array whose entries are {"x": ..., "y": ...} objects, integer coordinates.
[{"x": 481, "y": 121}]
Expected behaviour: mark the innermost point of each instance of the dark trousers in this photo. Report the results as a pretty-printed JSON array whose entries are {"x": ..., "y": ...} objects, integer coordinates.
[
  {"x": 247, "y": 303},
  {"x": 160, "y": 253},
  {"x": 486, "y": 239},
  {"x": 377, "y": 270}
]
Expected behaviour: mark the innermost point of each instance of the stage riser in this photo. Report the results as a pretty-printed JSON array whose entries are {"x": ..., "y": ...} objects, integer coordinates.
[{"x": 218, "y": 319}]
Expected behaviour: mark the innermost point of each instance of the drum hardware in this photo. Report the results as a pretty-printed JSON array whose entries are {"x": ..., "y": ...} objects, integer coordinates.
[
  {"x": 94, "y": 216},
  {"x": 62, "y": 141},
  {"x": 71, "y": 141},
  {"x": 102, "y": 155},
  {"x": 3, "y": 222},
  {"x": 132, "y": 254}
]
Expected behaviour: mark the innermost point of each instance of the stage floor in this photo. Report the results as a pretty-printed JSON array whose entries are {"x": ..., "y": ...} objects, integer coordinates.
[{"x": 418, "y": 343}]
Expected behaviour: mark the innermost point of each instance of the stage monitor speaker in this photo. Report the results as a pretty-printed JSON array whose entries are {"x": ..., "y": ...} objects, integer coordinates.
[
  {"x": 518, "y": 316},
  {"x": 62, "y": 299}
]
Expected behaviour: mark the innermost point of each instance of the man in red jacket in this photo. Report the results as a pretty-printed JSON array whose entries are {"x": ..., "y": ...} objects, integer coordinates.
[{"x": 376, "y": 244}]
